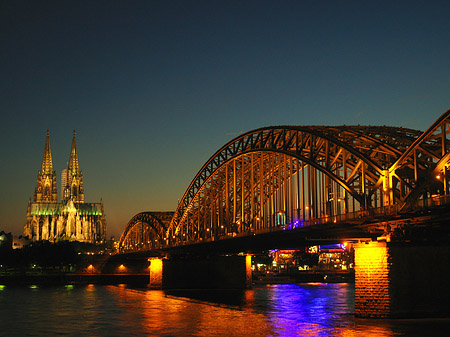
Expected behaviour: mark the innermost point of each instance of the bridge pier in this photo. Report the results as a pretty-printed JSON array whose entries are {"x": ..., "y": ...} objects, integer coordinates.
[
  {"x": 206, "y": 272},
  {"x": 156, "y": 272},
  {"x": 402, "y": 280}
]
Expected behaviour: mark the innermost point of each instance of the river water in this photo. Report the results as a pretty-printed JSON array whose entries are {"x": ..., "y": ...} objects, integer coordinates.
[{"x": 314, "y": 309}]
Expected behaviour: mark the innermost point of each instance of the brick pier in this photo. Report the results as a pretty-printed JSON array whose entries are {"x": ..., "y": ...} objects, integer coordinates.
[{"x": 402, "y": 280}]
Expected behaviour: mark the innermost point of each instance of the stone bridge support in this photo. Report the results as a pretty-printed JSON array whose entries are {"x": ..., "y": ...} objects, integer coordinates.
[
  {"x": 402, "y": 280},
  {"x": 207, "y": 272}
]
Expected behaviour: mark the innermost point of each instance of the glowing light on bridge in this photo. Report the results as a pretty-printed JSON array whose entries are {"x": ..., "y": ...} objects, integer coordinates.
[{"x": 90, "y": 268}]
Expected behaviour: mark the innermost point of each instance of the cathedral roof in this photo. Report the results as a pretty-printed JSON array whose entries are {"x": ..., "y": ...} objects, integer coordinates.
[{"x": 41, "y": 208}]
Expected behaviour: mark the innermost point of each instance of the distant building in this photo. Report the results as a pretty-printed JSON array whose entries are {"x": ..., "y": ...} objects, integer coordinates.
[
  {"x": 19, "y": 242},
  {"x": 5, "y": 240},
  {"x": 72, "y": 218}
]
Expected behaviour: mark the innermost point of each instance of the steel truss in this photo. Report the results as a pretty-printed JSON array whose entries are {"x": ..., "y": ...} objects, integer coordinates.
[
  {"x": 291, "y": 176},
  {"x": 421, "y": 172}
]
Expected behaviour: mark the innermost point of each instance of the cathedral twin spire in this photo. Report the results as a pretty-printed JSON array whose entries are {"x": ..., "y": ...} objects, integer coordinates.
[
  {"x": 72, "y": 177},
  {"x": 70, "y": 218}
]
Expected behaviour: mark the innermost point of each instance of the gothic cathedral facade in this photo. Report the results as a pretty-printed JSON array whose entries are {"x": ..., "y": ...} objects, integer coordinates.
[{"x": 72, "y": 218}]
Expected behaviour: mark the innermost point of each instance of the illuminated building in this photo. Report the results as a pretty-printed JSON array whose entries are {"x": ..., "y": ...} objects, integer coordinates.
[
  {"x": 71, "y": 218},
  {"x": 336, "y": 257}
]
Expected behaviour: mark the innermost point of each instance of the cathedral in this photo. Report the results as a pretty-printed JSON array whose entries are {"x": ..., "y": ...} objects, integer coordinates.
[{"x": 72, "y": 218}]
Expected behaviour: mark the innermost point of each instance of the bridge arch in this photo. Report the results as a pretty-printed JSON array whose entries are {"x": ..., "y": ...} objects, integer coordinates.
[
  {"x": 245, "y": 184},
  {"x": 146, "y": 230},
  {"x": 280, "y": 177}
]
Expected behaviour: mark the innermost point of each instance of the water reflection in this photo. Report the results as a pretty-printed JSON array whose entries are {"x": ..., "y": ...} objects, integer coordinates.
[
  {"x": 224, "y": 297},
  {"x": 276, "y": 310},
  {"x": 195, "y": 313},
  {"x": 309, "y": 308}
]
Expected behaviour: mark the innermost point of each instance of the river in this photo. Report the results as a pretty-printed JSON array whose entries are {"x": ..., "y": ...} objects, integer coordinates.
[{"x": 313, "y": 309}]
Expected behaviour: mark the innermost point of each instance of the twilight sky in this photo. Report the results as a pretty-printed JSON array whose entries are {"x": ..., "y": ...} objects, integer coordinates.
[{"x": 154, "y": 88}]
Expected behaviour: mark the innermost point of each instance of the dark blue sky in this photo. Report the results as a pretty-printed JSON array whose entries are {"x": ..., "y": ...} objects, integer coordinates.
[{"x": 154, "y": 88}]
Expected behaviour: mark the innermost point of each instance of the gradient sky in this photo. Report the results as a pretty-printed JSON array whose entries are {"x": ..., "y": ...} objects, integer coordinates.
[{"x": 154, "y": 88}]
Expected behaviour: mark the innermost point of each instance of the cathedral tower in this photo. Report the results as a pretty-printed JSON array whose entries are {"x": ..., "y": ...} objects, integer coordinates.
[
  {"x": 73, "y": 177},
  {"x": 46, "y": 181}
]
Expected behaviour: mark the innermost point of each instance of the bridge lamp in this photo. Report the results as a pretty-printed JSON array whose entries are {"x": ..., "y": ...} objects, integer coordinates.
[
  {"x": 438, "y": 177},
  {"x": 207, "y": 229},
  {"x": 221, "y": 226}
]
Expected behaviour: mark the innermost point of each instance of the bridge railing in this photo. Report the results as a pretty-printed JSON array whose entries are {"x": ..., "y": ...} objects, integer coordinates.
[
  {"x": 356, "y": 217},
  {"x": 436, "y": 200}
]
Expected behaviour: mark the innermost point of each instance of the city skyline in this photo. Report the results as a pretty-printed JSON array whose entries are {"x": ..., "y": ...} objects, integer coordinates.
[{"x": 154, "y": 89}]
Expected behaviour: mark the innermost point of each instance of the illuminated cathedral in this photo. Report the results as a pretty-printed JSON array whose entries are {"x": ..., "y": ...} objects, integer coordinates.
[{"x": 72, "y": 218}]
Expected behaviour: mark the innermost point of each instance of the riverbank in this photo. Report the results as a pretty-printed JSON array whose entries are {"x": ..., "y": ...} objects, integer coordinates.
[{"x": 69, "y": 278}]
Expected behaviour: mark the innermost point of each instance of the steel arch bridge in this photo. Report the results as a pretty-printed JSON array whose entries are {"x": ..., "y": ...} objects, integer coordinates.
[
  {"x": 146, "y": 230},
  {"x": 294, "y": 176}
]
